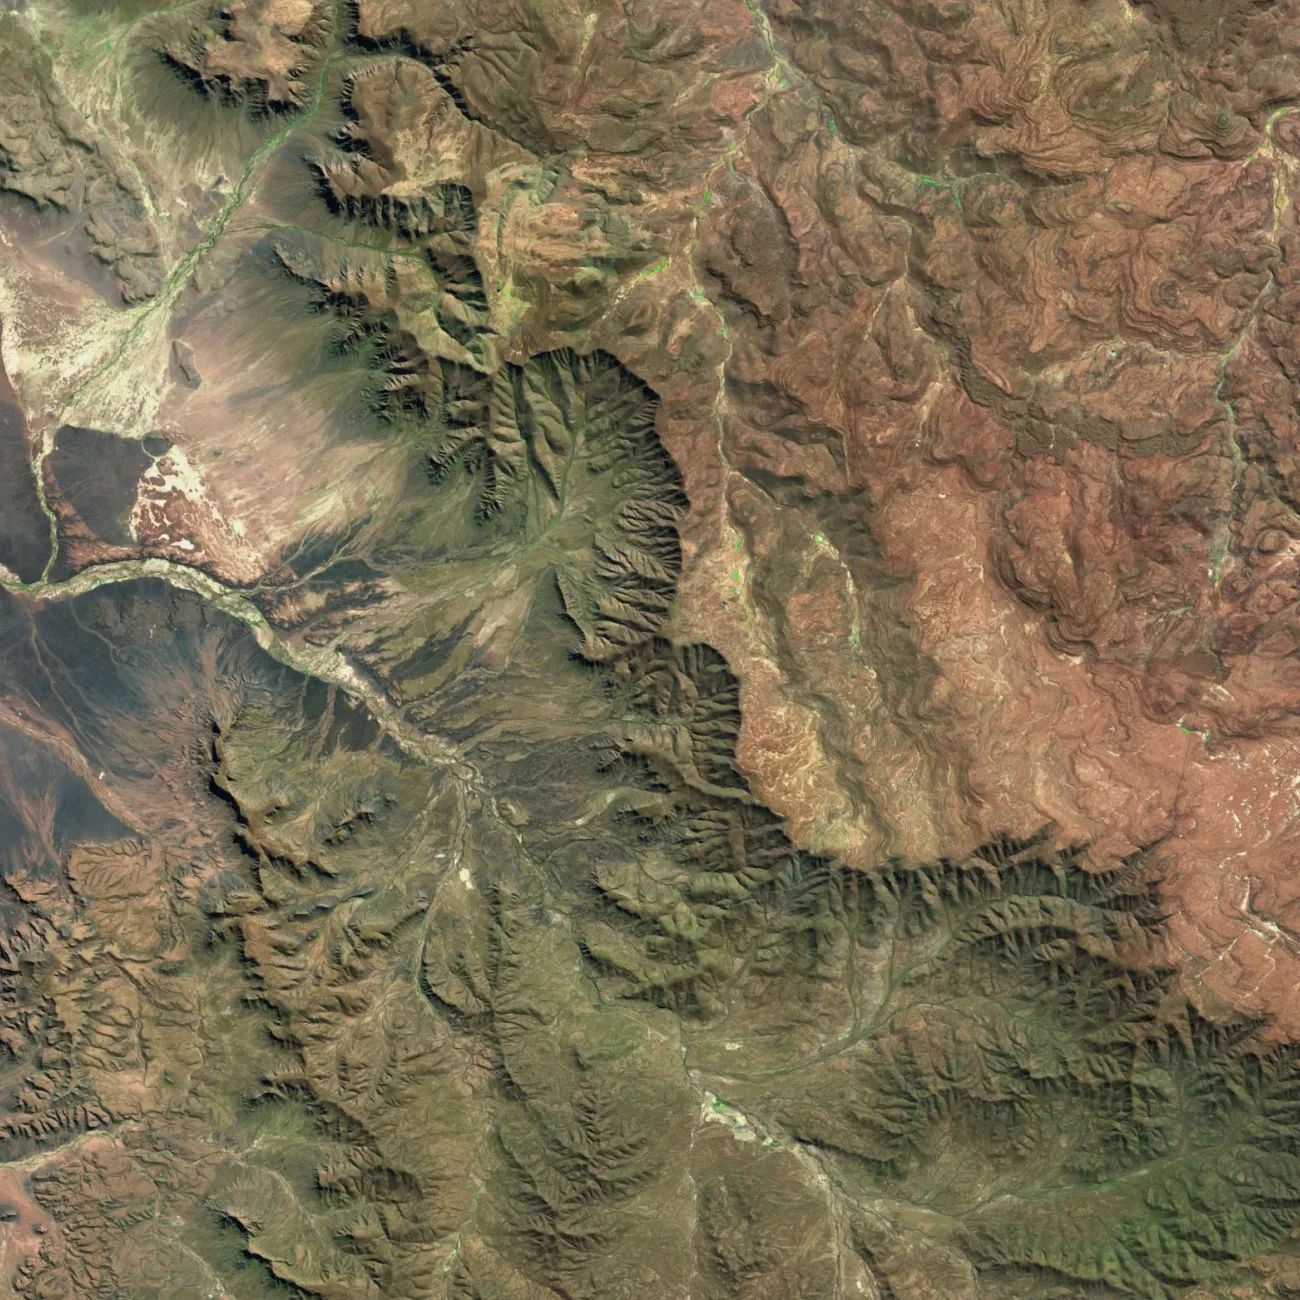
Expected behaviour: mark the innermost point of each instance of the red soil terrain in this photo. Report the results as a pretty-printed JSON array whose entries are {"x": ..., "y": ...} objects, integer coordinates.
[
  {"x": 975, "y": 327},
  {"x": 591, "y": 871},
  {"x": 975, "y": 332}
]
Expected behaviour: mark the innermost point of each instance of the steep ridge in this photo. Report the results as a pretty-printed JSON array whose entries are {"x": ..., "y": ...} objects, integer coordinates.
[{"x": 482, "y": 965}]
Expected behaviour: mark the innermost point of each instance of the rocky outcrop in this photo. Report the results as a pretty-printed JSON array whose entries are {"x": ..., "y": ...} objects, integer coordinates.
[
  {"x": 746, "y": 750},
  {"x": 52, "y": 156}
]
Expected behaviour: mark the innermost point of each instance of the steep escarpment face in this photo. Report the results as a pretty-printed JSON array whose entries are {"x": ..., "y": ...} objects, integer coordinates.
[{"x": 647, "y": 650}]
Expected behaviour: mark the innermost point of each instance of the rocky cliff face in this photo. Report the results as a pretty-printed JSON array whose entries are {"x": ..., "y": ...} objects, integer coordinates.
[{"x": 648, "y": 650}]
